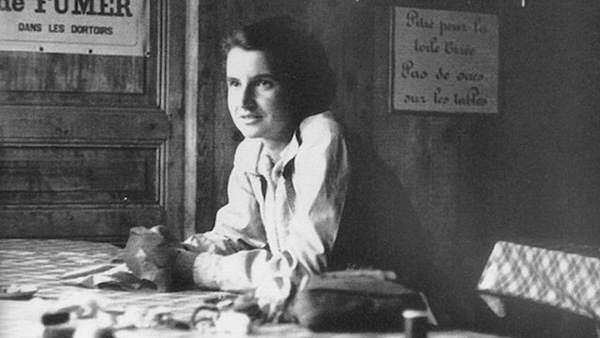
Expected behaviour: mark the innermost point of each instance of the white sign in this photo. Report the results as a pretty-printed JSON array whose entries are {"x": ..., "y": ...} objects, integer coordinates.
[
  {"x": 112, "y": 27},
  {"x": 444, "y": 61}
]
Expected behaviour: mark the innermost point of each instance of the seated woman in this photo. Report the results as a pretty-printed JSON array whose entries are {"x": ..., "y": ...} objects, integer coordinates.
[
  {"x": 296, "y": 205},
  {"x": 288, "y": 185}
]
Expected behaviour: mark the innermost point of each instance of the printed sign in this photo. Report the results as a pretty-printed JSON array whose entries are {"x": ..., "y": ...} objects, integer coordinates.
[
  {"x": 111, "y": 27},
  {"x": 444, "y": 61}
]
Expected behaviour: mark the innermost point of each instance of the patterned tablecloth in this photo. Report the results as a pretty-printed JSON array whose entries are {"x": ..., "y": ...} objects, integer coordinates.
[
  {"x": 564, "y": 277},
  {"x": 42, "y": 262}
]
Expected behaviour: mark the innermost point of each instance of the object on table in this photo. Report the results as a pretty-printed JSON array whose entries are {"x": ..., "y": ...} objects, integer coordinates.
[
  {"x": 87, "y": 271},
  {"x": 354, "y": 302},
  {"x": 415, "y": 323},
  {"x": 150, "y": 255},
  {"x": 210, "y": 319},
  {"x": 569, "y": 279},
  {"x": 86, "y": 315},
  {"x": 17, "y": 292},
  {"x": 114, "y": 276}
]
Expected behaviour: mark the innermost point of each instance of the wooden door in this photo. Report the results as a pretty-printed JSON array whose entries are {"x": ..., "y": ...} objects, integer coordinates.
[{"x": 91, "y": 145}]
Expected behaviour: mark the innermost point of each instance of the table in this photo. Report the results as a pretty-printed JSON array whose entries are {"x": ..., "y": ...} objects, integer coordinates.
[
  {"x": 562, "y": 276},
  {"x": 42, "y": 262}
]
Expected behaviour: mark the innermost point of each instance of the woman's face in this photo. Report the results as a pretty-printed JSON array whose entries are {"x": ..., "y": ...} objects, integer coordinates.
[{"x": 256, "y": 99}]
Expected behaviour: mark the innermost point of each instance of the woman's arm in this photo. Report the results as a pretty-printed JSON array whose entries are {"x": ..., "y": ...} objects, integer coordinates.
[{"x": 316, "y": 192}]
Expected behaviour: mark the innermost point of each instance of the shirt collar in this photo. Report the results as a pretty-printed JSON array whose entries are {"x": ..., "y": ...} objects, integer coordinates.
[{"x": 254, "y": 153}]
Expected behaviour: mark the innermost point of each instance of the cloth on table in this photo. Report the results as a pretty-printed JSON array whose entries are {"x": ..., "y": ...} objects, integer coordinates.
[
  {"x": 566, "y": 277},
  {"x": 113, "y": 276},
  {"x": 147, "y": 261}
]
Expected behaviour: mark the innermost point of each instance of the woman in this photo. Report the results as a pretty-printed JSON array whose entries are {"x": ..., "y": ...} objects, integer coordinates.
[
  {"x": 295, "y": 208},
  {"x": 288, "y": 185}
]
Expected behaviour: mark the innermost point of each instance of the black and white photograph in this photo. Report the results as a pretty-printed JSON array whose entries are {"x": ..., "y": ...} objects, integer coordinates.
[{"x": 300, "y": 168}]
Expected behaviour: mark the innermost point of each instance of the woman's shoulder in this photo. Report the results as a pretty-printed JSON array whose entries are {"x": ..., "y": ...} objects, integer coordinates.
[{"x": 322, "y": 125}]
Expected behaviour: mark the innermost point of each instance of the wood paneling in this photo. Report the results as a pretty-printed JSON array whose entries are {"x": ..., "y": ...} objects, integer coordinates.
[
  {"x": 78, "y": 80},
  {"x": 91, "y": 145},
  {"x": 74, "y": 73},
  {"x": 80, "y": 123},
  {"x": 84, "y": 174},
  {"x": 77, "y": 222}
]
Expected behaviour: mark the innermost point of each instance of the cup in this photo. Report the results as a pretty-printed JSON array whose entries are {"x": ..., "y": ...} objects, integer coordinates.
[{"x": 415, "y": 323}]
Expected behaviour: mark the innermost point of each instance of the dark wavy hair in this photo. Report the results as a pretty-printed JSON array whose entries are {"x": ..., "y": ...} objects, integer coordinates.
[{"x": 296, "y": 57}]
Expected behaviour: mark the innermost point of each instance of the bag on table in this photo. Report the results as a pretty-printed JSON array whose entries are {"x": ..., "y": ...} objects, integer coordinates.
[
  {"x": 353, "y": 300},
  {"x": 150, "y": 255}
]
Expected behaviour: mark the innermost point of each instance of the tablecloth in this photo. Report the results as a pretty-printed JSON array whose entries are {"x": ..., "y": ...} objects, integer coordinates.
[{"x": 40, "y": 263}]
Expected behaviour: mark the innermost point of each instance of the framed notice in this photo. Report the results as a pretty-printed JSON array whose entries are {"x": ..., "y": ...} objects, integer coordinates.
[
  {"x": 109, "y": 27},
  {"x": 444, "y": 61}
]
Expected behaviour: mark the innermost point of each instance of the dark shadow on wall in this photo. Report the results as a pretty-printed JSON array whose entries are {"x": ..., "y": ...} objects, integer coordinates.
[{"x": 380, "y": 229}]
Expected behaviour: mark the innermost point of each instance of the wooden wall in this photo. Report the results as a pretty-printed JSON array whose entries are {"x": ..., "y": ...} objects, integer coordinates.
[
  {"x": 90, "y": 145},
  {"x": 532, "y": 171}
]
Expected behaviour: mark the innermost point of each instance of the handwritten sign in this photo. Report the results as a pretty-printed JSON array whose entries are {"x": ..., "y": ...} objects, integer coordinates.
[
  {"x": 444, "y": 61},
  {"x": 114, "y": 27}
]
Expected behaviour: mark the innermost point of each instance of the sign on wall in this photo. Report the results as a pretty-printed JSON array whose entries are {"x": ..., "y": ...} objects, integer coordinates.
[
  {"x": 110, "y": 27},
  {"x": 444, "y": 61}
]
